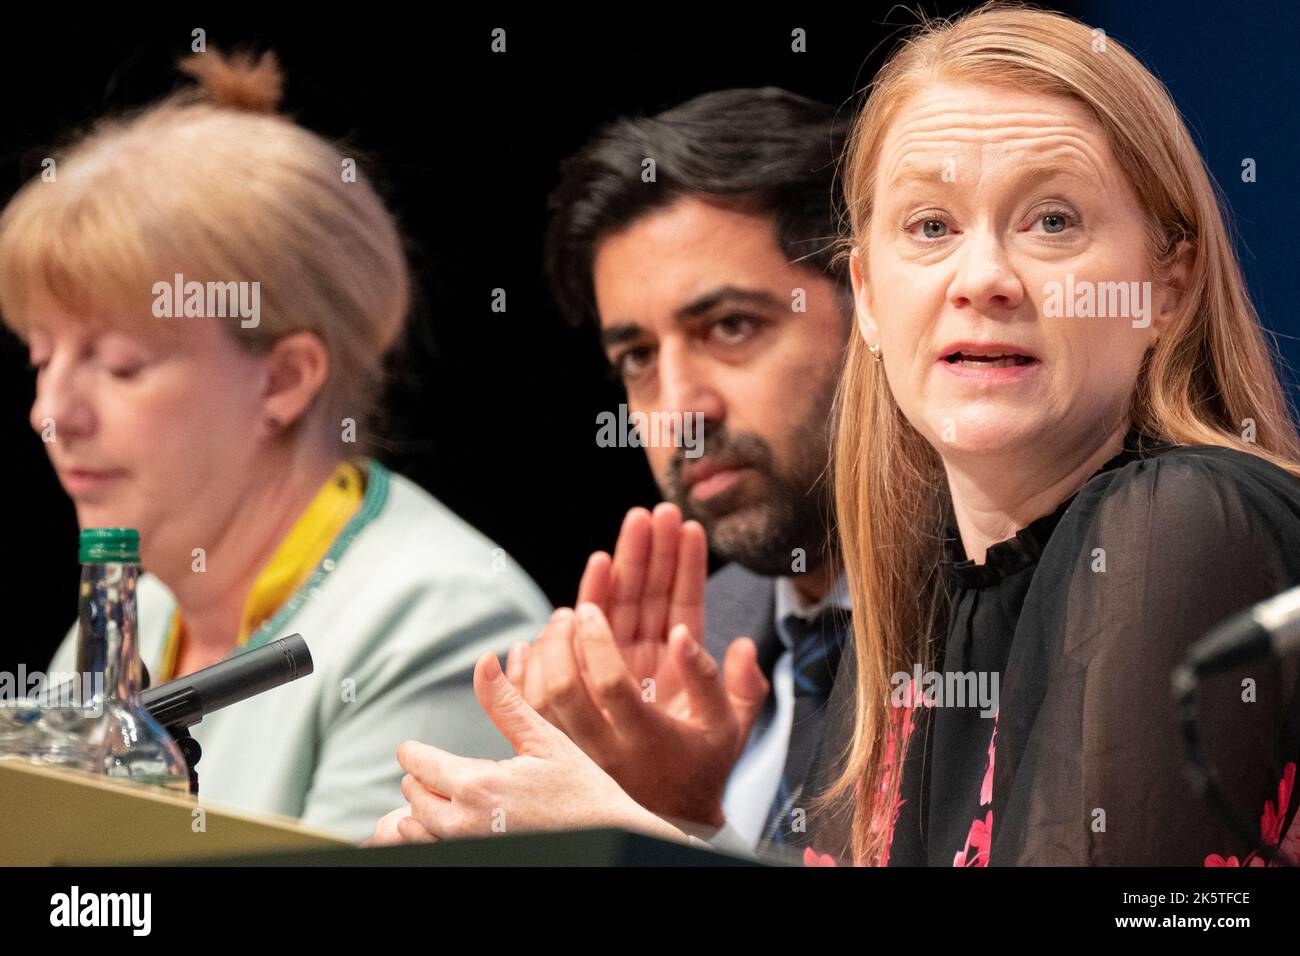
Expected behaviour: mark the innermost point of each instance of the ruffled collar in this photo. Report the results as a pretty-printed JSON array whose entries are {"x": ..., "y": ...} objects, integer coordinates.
[{"x": 1005, "y": 558}]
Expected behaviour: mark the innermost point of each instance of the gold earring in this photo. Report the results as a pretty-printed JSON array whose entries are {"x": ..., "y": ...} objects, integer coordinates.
[{"x": 875, "y": 352}]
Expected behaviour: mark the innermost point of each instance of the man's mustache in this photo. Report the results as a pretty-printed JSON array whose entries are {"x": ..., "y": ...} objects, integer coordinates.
[{"x": 741, "y": 450}]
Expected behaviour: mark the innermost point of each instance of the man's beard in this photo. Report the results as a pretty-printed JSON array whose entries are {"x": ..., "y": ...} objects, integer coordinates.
[{"x": 792, "y": 510}]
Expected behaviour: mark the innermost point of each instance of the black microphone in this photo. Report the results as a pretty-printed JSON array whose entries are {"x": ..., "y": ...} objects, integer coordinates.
[
  {"x": 187, "y": 700},
  {"x": 1270, "y": 629}
]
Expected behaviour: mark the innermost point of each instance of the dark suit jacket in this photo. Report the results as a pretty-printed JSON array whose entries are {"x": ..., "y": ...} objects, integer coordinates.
[
  {"x": 740, "y": 603},
  {"x": 830, "y": 824}
]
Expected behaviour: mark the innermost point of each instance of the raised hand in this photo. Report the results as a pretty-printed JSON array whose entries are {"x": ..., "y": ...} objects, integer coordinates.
[
  {"x": 673, "y": 759},
  {"x": 654, "y": 582}
]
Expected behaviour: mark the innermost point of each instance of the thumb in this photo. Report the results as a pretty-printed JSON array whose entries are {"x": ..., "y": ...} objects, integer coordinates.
[
  {"x": 747, "y": 688},
  {"x": 527, "y": 730},
  {"x": 699, "y": 674}
]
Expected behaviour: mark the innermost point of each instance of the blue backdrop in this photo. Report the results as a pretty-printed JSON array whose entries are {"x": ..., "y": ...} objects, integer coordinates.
[{"x": 1232, "y": 68}]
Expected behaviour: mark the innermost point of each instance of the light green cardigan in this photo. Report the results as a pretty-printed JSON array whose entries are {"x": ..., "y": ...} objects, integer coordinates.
[{"x": 396, "y": 614}]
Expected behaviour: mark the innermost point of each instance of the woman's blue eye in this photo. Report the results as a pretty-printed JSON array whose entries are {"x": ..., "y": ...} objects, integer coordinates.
[
  {"x": 1054, "y": 222},
  {"x": 934, "y": 228}
]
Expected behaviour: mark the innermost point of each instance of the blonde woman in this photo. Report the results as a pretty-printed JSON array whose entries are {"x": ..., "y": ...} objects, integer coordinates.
[
  {"x": 1044, "y": 498},
  {"x": 208, "y": 293}
]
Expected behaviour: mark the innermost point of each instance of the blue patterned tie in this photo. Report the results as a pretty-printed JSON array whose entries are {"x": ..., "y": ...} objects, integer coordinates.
[{"x": 817, "y": 647}]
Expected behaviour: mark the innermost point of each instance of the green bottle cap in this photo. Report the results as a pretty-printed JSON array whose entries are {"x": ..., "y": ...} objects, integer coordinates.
[{"x": 103, "y": 545}]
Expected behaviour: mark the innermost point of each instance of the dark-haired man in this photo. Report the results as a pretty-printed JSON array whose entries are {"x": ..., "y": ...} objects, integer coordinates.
[{"x": 701, "y": 243}]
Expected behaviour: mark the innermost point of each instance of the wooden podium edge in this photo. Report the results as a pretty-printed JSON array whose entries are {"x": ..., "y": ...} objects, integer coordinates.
[{"x": 57, "y": 816}]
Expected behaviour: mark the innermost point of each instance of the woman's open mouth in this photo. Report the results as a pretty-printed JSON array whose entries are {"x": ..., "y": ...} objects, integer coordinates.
[
  {"x": 988, "y": 363},
  {"x": 1000, "y": 360}
]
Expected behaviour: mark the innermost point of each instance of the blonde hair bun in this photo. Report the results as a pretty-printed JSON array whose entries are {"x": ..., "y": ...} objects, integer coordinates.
[{"x": 238, "y": 81}]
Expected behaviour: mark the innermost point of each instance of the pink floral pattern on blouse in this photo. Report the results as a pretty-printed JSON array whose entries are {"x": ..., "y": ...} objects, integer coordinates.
[
  {"x": 812, "y": 858},
  {"x": 976, "y": 850},
  {"x": 980, "y": 837},
  {"x": 1270, "y": 829},
  {"x": 904, "y": 723}
]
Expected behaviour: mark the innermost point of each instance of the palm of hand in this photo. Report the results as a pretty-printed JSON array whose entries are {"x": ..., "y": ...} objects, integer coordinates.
[{"x": 656, "y": 674}]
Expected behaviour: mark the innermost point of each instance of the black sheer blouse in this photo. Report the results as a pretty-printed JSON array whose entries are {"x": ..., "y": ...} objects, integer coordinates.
[{"x": 1074, "y": 626}]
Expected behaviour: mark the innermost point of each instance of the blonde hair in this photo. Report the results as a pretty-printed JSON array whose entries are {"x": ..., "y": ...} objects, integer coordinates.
[
  {"x": 1210, "y": 372},
  {"x": 213, "y": 183}
]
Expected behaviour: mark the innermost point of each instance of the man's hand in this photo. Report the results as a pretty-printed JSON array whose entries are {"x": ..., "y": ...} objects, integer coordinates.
[
  {"x": 548, "y": 785},
  {"x": 673, "y": 759},
  {"x": 654, "y": 582}
]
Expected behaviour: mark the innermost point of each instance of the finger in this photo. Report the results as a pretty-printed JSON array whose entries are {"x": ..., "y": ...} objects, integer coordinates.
[
  {"x": 431, "y": 810},
  {"x": 627, "y": 574},
  {"x": 594, "y": 586},
  {"x": 665, "y": 528},
  {"x": 526, "y": 730},
  {"x": 700, "y": 680},
  {"x": 412, "y": 831},
  {"x": 687, "y": 606},
  {"x": 566, "y": 691},
  {"x": 386, "y": 833},
  {"x": 435, "y": 769},
  {"x": 606, "y": 672},
  {"x": 535, "y": 662},
  {"x": 745, "y": 685},
  {"x": 515, "y": 665}
]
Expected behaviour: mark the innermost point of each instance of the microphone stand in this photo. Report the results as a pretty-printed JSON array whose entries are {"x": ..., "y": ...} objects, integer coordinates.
[
  {"x": 180, "y": 732},
  {"x": 191, "y": 751},
  {"x": 1204, "y": 776}
]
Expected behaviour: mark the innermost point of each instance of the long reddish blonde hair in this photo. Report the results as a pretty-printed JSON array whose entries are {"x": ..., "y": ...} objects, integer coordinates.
[{"x": 1207, "y": 378}]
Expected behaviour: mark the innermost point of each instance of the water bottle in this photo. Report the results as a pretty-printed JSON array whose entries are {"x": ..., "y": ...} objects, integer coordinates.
[{"x": 120, "y": 738}]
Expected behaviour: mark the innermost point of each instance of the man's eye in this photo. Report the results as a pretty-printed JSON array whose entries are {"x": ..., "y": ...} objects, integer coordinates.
[
  {"x": 633, "y": 362},
  {"x": 125, "y": 373},
  {"x": 732, "y": 329}
]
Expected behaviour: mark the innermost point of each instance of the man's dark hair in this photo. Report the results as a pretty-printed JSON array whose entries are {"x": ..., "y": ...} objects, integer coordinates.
[{"x": 767, "y": 148}]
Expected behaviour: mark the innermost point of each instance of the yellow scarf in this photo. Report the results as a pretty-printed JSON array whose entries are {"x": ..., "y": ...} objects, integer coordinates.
[{"x": 302, "y": 549}]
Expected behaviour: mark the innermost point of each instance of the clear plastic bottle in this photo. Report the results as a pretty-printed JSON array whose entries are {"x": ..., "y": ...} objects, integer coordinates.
[{"x": 120, "y": 738}]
